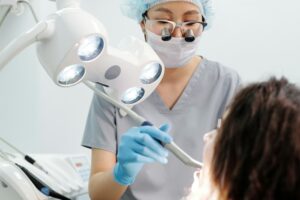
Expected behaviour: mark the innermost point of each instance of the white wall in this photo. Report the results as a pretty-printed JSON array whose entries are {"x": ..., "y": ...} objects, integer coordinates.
[{"x": 257, "y": 38}]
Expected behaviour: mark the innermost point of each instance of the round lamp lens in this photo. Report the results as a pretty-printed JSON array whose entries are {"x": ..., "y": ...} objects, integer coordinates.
[
  {"x": 133, "y": 95},
  {"x": 151, "y": 73},
  {"x": 71, "y": 75},
  {"x": 90, "y": 48}
]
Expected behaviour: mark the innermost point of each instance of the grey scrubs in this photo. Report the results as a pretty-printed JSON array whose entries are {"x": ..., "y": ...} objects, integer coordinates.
[{"x": 197, "y": 111}]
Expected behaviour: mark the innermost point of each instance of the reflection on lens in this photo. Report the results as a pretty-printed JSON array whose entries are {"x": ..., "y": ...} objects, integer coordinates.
[
  {"x": 90, "y": 47},
  {"x": 71, "y": 75},
  {"x": 151, "y": 73},
  {"x": 133, "y": 95}
]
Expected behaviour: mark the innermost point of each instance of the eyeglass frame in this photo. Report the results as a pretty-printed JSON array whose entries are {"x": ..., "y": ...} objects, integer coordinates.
[{"x": 176, "y": 24}]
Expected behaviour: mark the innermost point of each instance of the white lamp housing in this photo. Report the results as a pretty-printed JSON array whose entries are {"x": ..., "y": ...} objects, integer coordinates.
[
  {"x": 134, "y": 73},
  {"x": 60, "y": 49},
  {"x": 78, "y": 50},
  {"x": 73, "y": 47}
]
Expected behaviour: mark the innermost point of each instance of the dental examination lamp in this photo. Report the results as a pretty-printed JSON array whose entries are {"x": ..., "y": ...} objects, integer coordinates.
[{"x": 73, "y": 47}]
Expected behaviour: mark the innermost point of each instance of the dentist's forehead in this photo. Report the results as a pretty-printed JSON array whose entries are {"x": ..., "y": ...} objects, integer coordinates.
[{"x": 190, "y": 9}]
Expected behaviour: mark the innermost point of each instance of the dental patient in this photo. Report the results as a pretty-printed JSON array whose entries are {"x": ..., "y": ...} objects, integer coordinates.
[{"x": 255, "y": 154}]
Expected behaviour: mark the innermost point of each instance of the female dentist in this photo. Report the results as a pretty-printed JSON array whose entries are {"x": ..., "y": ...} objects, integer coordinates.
[{"x": 128, "y": 163}]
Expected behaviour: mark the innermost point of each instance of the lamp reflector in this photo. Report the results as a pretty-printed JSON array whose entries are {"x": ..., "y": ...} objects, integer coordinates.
[
  {"x": 71, "y": 75},
  {"x": 133, "y": 95},
  {"x": 151, "y": 73},
  {"x": 90, "y": 47}
]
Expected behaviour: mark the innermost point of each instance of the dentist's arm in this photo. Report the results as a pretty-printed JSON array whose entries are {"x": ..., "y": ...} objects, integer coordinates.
[
  {"x": 102, "y": 185},
  {"x": 111, "y": 175}
]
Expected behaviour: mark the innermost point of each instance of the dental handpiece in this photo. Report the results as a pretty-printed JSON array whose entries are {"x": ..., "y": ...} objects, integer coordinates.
[{"x": 178, "y": 152}]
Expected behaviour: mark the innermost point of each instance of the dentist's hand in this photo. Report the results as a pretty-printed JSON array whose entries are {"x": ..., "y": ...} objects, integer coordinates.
[{"x": 138, "y": 146}]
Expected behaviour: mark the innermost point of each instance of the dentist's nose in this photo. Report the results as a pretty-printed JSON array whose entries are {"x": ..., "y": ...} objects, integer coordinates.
[{"x": 177, "y": 32}]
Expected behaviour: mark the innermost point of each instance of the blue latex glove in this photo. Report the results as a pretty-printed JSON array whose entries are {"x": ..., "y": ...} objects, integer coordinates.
[{"x": 139, "y": 146}]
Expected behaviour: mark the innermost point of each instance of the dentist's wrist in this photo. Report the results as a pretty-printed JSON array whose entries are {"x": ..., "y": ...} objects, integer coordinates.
[{"x": 121, "y": 177}]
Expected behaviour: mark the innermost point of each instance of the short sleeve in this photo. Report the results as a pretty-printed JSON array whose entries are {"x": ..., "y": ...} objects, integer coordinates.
[
  {"x": 234, "y": 85},
  {"x": 231, "y": 84},
  {"x": 100, "y": 129}
]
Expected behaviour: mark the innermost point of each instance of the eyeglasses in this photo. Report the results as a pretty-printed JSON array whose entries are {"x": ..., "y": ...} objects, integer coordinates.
[{"x": 161, "y": 25}]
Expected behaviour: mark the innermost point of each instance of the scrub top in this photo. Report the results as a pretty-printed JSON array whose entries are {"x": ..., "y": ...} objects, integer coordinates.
[{"x": 196, "y": 112}]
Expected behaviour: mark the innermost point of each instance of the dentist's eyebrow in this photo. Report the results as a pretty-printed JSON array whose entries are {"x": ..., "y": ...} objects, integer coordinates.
[
  {"x": 192, "y": 12},
  {"x": 164, "y": 10}
]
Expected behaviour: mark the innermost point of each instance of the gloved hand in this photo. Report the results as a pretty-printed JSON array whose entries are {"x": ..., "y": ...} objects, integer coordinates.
[{"x": 139, "y": 146}]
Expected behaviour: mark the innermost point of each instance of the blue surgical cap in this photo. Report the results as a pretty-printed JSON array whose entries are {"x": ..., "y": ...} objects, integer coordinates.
[{"x": 135, "y": 9}]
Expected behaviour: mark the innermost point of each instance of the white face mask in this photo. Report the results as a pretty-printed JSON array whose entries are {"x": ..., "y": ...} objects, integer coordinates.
[{"x": 174, "y": 53}]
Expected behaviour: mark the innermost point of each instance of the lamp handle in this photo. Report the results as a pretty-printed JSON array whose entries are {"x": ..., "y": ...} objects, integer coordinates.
[
  {"x": 173, "y": 147},
  {"x": 137, "y": 118},
  {"x": 21, "y": 42}
]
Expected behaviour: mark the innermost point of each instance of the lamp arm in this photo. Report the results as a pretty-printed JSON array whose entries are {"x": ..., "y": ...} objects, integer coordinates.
[
  {"x": 21, "y": 42},
  {"x": 61, "y": 4}
]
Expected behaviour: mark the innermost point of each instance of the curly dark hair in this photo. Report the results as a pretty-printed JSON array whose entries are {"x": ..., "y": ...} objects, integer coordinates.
[{"x": 257, "y": 151}]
